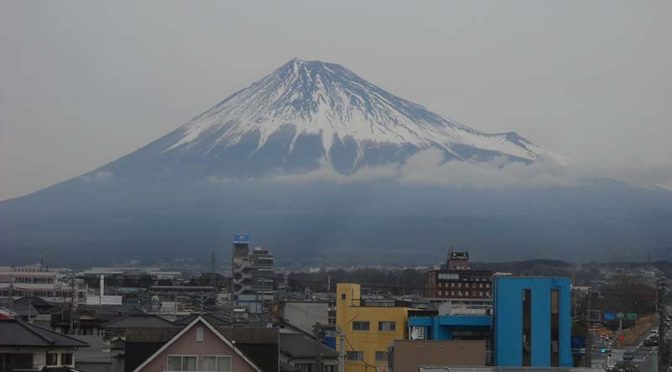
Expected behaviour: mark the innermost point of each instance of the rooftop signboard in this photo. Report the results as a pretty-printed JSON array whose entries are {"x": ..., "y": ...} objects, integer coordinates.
[{"x": 241, "y": 238}]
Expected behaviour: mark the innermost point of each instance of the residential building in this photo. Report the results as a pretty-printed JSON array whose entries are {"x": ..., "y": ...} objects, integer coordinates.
[
  {"x": 252, "y": 276},
  {"x": 241, "y": 268},
  {"x": 369, "y": 327},
  {"x": 456, "y": 280},
  {"x": 532, "y": 324},
  {"x": 25, "y": 346},
  {"x": 198, "y": 347}
]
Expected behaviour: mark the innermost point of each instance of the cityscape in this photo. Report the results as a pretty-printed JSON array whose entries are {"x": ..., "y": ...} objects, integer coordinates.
[
  {"x": 345, "y": 186},
  {"x": 454, "y": 316}
]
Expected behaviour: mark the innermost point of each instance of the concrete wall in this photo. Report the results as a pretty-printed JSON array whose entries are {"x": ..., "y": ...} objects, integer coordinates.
[{"x": 408, "y": 355}]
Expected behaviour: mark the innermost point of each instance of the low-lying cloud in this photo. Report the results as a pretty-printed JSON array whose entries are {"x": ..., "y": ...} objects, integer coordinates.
[{"x": 429, "y": 168}]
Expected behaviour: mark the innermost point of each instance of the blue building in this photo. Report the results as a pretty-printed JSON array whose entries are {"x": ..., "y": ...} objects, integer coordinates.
[
  {"x": 530, "y": 326},
  {"x": 450, "y": 327}
]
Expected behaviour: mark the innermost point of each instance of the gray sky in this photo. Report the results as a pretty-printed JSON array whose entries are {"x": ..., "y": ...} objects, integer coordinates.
[{"x": 85, "y": 82}]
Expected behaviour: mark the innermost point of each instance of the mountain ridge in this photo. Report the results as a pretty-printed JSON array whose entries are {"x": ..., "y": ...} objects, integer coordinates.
[{"x": 342, "y": 118}]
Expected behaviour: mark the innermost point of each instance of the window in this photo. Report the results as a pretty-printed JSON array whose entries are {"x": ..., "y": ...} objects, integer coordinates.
[
  {"x": 355, "y": 355},
  {"x": 381, "y": 356},
  {"x": 217, "y": 363},
  {"x": 52, "y": 359},
  {"x": 387, "y": 326},
  {"x": 360, "y": 326},
  {"x": 66, "y": 359},
  {"x": 181, "y": 363},
  {"x": 199, "y": 334}
]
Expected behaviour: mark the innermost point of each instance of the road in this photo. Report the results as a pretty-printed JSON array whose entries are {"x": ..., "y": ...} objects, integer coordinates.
[{"x": 644, "y": 355}]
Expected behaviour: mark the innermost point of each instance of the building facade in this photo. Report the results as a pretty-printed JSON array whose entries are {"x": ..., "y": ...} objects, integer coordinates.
[
  {"x": 36, "y": 281},
  {"x": 253, "y": 281},
  {"x": 532, "y": 324},
  {"x": 456, "y": 280},
  {"x": 369, "y": 328}
]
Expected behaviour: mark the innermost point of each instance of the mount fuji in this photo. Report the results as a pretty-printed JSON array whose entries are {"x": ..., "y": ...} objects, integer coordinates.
[
  {"x": 310, "y": 114},
  {"x": 166, "y": 201}
]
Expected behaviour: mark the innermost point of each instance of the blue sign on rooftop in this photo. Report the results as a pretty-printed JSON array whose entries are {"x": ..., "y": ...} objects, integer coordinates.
[{"x": 241, "y": 238}]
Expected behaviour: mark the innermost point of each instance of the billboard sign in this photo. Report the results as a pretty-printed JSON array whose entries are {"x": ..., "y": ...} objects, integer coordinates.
[{"x": 241, "y": 238}]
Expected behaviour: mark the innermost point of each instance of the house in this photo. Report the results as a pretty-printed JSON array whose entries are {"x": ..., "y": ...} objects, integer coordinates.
[
  {"x": 198, "y": 347},
  {"x": 24, "y": 346}
]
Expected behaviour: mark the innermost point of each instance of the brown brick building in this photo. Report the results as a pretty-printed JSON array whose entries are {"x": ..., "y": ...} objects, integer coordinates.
[{"x": 456, "y": 280}]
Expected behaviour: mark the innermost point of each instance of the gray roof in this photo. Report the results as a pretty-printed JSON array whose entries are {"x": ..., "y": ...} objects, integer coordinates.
[
  {"x": 215, "y": 320},
  {"x": 301, "y": 346},
  {"x": 96, "y": 357},
  {"x": 139, "y": 321},
  {"x": 23, "y": 309},
  {"x": 14, "y": 332},
  {"x": 243, "y": 335}
]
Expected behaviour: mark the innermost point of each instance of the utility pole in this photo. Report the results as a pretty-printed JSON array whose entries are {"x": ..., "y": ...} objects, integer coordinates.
[
  {"x": 664, "y": 305},
  {"x": 341, "y": 349},
  {"x": 72, "y": 303},
  {"x": 317, "y": 330},
  {"x": 589, "y": 336},
  {"x": 213, "y": 267}
]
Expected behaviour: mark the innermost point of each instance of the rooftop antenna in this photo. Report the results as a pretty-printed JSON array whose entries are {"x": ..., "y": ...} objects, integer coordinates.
[{"x": 41, "y": 260}]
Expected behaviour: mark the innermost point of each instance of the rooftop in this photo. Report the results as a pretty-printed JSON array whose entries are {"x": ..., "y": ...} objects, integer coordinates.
[{"x": 14, "y": 332}]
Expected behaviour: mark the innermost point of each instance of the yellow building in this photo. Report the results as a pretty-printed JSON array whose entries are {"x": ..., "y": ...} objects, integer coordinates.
[{"x": 369, "y": 328}]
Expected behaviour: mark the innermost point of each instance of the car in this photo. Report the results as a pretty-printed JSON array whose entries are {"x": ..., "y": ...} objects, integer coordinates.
[
  {"x": 629, "y": 355},
  {"x": 651, "y": 341}
]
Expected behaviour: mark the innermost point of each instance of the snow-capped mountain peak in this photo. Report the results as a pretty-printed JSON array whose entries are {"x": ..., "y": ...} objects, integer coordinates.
[{"x": 314, "y": 99}]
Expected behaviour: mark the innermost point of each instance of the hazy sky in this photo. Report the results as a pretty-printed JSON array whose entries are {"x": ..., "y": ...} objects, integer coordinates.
[{"x": 85, "y": 82}]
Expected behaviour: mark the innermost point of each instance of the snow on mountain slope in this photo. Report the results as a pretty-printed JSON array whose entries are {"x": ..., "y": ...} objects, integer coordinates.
[{"x": 326, "y": 100}]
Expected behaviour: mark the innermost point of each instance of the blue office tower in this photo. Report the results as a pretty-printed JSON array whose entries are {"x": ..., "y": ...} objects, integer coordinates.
[{"x": 532, "y": 322}]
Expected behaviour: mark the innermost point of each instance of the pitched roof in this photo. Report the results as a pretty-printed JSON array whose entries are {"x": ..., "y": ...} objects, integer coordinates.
[
  {"x": 14, "y": 332},
  {"x": 139, "y": 321},
  {"x": 241, "y": 335},
  {"x": 152, "y": 335},
  {"x": 187, "y": 328},
  {"x": 213, "y": 319}
]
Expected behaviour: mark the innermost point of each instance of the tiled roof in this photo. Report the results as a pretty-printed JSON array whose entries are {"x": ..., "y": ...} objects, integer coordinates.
[
  {"x": 213, "y": 319},
  {"x": 14, "y": 332},
  {"x": 94, "y": 357},
  {"x": 139, "y": 321}
]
